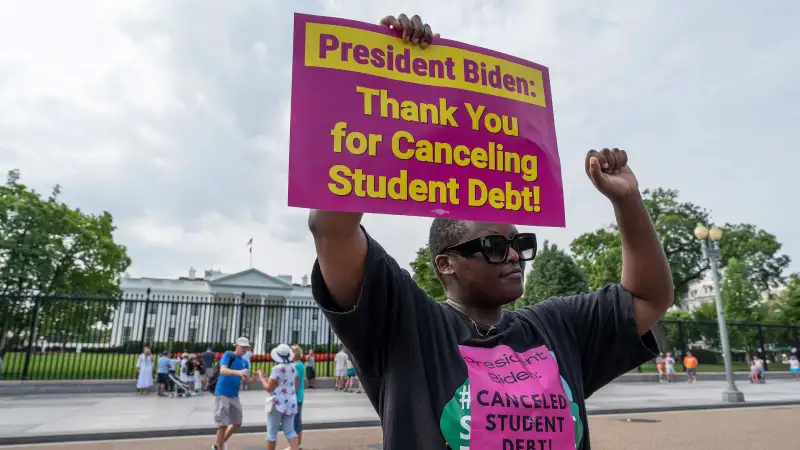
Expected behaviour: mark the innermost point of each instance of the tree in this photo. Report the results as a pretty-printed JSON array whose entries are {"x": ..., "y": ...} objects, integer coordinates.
[
  {"x": 739, "y": 296},
  {"x": 788, "y": 301},
  {"x": 422, "y": 266},
  {"x": 50, "y": 250},
  {"x": 599, "y": 253},
  {"x": 554, "y": 273},
  {"x": 759, "y": 251},
  {"x": 741, "y": 300},
  {"x": 742, "y": 303}
]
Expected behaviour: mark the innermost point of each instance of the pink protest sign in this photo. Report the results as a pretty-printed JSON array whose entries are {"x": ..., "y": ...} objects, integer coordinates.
[
  {"x": 517, "y": 400},
  {"x": 453, "y": 130}
]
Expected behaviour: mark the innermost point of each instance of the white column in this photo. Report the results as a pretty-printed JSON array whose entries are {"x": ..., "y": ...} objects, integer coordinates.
[{"x": 260, "y": 328}]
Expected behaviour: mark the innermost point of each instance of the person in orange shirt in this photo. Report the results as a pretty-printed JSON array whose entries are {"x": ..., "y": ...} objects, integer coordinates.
[{"x": 690, "y": 363}]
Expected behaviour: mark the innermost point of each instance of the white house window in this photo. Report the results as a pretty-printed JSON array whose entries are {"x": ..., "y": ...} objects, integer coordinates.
[
  {"x": 195, "y": 309},
  {"x": 174, "y": 309},
  {"x": 313, "y": 338},
  {"x": 171, "y": 334},
  {"x": 295, "y": 337},
  {"x": 128, "y": 307},
  {"x": 223, "y": 335},
  {"x": 126, "y": 335},
  {"x": 192, "y": 334},
  {"x": 150, "y": 334},
  {"x": 315, "y": 314},
  {"x": 153, "y": 309}
]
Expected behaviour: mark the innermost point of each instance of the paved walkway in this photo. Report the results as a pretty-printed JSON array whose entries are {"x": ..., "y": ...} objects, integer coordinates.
[
  {"x": 49, "y": 418},
  {"x": 737, "y": 429}
]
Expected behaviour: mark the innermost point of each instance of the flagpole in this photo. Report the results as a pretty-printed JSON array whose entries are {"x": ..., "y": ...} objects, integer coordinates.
[{"x": 250, "y": 245}]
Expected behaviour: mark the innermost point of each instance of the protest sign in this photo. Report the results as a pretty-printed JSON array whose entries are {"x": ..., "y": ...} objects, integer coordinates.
[{"x": 382, "y": 126}]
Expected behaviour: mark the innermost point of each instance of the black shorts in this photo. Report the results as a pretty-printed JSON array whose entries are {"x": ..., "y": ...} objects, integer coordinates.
[
  {"x": 311, "y": 373},
  {"x": 161, "y": 378}
]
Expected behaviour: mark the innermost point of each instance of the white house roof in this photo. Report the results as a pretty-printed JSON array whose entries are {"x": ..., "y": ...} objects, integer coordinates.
[{"x": 250, "y": 277}]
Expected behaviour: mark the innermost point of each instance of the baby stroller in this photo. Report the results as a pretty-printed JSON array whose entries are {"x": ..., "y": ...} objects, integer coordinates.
[{"x": 178, "y": 388}]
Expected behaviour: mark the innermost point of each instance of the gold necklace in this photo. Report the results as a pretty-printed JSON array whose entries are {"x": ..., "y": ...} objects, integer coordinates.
[{"x": 458, "y": 308}]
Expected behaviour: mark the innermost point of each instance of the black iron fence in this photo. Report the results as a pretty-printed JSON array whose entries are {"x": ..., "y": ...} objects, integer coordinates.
[
  {"x": 773, "y": 342},
  {"x": 101, "y": 338}
]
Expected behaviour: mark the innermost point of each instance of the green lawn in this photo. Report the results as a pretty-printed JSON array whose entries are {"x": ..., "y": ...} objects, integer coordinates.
[{"x": 94, "y": 366}]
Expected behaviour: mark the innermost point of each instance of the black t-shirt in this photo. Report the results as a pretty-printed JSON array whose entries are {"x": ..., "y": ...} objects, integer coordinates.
[{"x": 437, "y": 379}]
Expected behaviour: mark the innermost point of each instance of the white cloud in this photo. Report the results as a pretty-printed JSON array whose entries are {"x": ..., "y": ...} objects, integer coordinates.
[{"x": 175, "y": 118}]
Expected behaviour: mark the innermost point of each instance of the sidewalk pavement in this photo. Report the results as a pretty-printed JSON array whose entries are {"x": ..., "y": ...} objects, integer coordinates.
[
  {"x": 733, "y": 429},
  {"x": 76, "y": 417}
]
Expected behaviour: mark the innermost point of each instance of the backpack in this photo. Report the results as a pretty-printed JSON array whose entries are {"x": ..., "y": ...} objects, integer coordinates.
[{"x": 211, "y": 384}]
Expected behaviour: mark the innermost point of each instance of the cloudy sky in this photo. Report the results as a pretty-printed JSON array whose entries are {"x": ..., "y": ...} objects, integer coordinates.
[{"x": 173, "y": 115}]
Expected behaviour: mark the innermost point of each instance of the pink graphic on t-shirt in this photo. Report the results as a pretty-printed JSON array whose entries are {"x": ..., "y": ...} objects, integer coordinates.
[{"x": 517, "y": 400}]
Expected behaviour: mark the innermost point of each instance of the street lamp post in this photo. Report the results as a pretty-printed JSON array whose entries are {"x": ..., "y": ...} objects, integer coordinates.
[{"x": 709, "y": 242}]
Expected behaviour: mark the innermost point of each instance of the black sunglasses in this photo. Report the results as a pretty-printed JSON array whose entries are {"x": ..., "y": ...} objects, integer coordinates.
[{"x": 494, "y": 247}]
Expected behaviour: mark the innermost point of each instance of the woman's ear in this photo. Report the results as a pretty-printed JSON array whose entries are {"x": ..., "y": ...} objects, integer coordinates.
[{"x": 444, "y": 265}]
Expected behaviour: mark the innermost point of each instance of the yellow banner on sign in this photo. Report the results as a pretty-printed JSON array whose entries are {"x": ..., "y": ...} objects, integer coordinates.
[{"x": 371, "y": 53}]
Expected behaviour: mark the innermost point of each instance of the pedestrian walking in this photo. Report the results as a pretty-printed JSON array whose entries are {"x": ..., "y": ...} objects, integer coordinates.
[
  {"x": 186, "y": 375},
  {"x": 669, "y": 363},
  {"x": 340, "y": 363},
  {"x": 760, "y": 370},
  {"x": 442, "y": 373},
  {"x": 662, "y": 370},
  {"x": 174, "y": 367},
  {"x": 690, "y": 364},
  {"x": 144, "y": 372},
  {"x": 352, "y": 378},
  {"x": 248, "y": 356},
  {"x": 233, "y": 370},
  {"x": 300, "y": 382},
  {"x": 162, "y": 373},
  {"x": 311, "y": 371},
  {"x": 197, "y": 370},
  {"x": 281, "y": 404},
  {"x": 208, "y": 366},
  {"x": 794, "y": 367}
]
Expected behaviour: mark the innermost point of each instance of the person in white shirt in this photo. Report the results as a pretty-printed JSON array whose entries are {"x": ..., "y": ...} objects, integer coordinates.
[
  {"x": 669, "y": 362},
  {"x": 794, "y": 367},
  {"x": 340, "y": 361}
]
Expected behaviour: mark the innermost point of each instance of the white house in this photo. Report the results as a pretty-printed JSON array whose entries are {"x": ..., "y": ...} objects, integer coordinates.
[
  {"x": 217, "y": 308},
  {"x": 702, "y": 291}
]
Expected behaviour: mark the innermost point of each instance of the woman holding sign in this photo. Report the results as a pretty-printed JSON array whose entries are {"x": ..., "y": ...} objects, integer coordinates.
[{"x": 484, "y": 377}]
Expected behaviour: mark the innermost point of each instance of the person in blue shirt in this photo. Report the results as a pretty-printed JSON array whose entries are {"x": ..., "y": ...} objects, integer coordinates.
[
  {"x": 165, "y": 363},
  {"x": 233, "y": 370}
]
